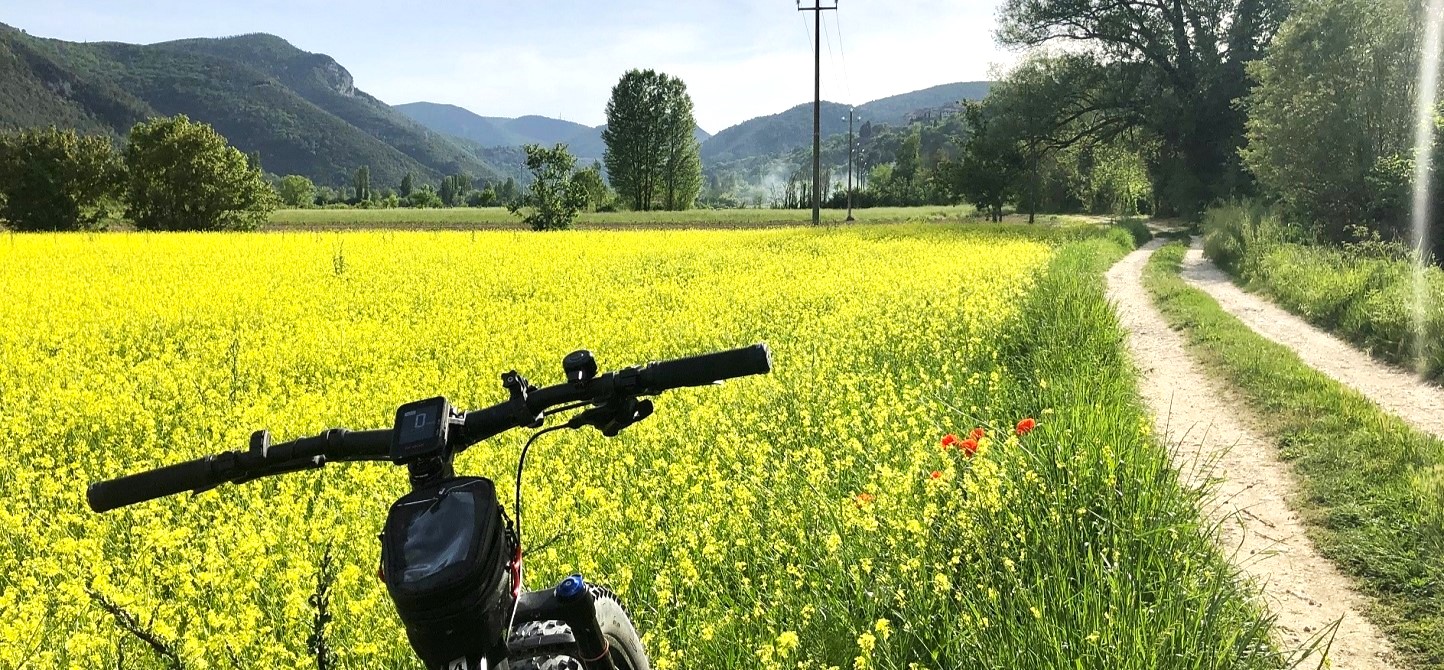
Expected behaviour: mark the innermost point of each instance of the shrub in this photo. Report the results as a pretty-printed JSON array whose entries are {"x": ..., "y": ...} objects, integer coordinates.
[
  {"x": 184, "y": 176},
  {"x": 1136, "y": 228},
  {"x": 1236, "y": 232},
  {"x": 57, "y": 180}
]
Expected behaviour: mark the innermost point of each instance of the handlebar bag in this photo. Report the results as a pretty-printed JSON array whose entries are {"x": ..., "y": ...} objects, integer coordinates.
[{"x": 444, "y": 557}]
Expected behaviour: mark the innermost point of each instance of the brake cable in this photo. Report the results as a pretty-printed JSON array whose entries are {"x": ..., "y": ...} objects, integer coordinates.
[{"x": 521, "y": 465}]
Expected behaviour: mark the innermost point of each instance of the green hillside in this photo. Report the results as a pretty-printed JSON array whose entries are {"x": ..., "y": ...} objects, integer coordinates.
[
  {"x": 299, "y": 111},
  {"x": 792, "y": 129},
  {"x": 463, "y": 123},
  {"x": 584, "y": 141}
]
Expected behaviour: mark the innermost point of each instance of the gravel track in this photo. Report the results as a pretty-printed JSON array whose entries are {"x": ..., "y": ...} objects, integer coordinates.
[
  {"x": 1214, "y": 446},
  {"x": 1419, "y": 403}
]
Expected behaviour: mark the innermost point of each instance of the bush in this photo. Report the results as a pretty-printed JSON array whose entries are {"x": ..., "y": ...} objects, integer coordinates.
[
  {"x": 1136, "y": 228},
  {"x": 184, "y": 176},
  {"x": 1232, "y": 232},
  {"x": 57, "y": 180}
]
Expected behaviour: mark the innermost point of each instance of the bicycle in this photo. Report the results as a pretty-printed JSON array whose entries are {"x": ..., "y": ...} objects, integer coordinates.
[{"x": 451, "y": 559}]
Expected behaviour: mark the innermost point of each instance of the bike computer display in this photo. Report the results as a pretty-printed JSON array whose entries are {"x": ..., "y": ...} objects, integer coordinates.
[{"x": 420, "y": 429}]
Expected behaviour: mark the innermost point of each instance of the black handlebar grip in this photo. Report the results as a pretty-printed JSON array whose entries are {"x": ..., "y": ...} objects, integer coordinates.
[
  {"x": 151, "y": 484},
  {"x": 706, "y": 368}
]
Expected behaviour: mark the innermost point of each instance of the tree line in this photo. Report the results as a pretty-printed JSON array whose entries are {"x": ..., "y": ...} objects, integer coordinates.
[
  {"x": 1307, "y": 106},
  {"x": 176, "y": 174},
  {"x": 173, "y": 174}
]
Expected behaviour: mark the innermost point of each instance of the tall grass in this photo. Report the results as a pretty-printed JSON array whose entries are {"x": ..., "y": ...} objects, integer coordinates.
[
  {"x": 1121, "y": 572},
  {"x": 1363, "y": 292}
]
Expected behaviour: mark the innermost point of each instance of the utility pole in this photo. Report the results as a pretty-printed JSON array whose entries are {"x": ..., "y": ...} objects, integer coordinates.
[
  {"x": 817, "y": 9},
  {"x": 849, "y": 165}
]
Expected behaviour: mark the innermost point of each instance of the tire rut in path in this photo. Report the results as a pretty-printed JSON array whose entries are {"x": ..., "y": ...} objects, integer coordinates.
[
  {"x": 1213, "y": 444},
  {"x": 1419, "y": 403}
]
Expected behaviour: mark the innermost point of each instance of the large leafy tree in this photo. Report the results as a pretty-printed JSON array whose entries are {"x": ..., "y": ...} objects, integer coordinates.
[
  {"x": 1330, "y": 122},
  {"x": 556, "y": 195},
  {"x": 991, "y": 165},
  {"x": 682, "y": 171},
  {"x": 296, "y": 191},
  {"x": 1051, "y": 104},
  {"x": 56, "y": 180},
  {"x": 182, "y": 175},
  {"x": 652, "y": 157},
  {"x": 1174, "y": 67}
]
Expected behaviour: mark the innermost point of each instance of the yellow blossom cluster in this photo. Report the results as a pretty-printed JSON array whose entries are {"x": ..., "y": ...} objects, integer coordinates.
[{"x": 730, "y": 521}]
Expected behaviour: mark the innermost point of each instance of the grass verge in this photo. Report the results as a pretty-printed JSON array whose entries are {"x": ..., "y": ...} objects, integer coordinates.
[
  {"x": 1364, "y": 293},
  {"x": 1120, "y": 572},
  {"x": 1369, "y": 483}
]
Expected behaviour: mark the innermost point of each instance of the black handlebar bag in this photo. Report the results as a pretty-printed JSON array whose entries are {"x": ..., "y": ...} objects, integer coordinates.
[{"x": 444, "y": 557}]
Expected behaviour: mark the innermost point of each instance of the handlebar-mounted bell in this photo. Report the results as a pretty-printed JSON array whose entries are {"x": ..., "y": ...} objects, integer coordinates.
[{"x": 580, "y": 366}]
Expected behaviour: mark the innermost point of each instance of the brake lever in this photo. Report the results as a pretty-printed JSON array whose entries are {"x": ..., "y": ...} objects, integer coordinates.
[{"x": 613, "y": 417}]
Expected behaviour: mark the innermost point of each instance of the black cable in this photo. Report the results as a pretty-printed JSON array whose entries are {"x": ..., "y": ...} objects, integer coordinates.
[
  {"x": 568, "y": 408},
  {"x": 521, "y": 465}
]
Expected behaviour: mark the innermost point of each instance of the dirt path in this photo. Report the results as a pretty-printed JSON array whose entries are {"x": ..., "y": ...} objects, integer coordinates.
[
  {"x": 1267, "y": 539},
  {"x": 1418, "y": 403}
]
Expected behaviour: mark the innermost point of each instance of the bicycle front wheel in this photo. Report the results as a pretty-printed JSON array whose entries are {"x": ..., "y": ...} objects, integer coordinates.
[{"x": 624, "y": 646}]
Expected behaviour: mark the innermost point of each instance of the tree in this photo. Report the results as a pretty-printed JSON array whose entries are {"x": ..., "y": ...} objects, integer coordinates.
[
  {"x": 57, "y": 180},
  {"x": 406, "y": 186},
  {"x": 454, "y": 189},
  {"x": 906, "y": 165},
  {"x": 183, "y": 175},
  {"x": 556, "y": 195},
  {"x": 682, "y": 172},
  {"x": 991, "y": 164},
  {"x": 1174, "y": 69},
  {"x": 651, "y": 155},
  {"x": 1332, "y": 116},
  {"x": 484, "y": 198},
  {"x": 423, "y": 197},
  {"x": 296, "y": 191},
  {"x": 1051, "y": 104},
  {"x": 508, "y": 192},
  {"x": 598, "y": 195},
  {"x": 362, "y": 183}
]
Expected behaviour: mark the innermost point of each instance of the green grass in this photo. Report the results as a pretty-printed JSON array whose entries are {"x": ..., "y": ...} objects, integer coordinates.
[
  {"x": 1370, "y": 484},
  {"x": 1128, "y": 573},
  {"x": 1365, "y": 294},
  {"x": 498, "y": 217}
]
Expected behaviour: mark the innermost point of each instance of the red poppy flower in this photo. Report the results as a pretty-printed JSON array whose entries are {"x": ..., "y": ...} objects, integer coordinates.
[
  {"x": 864, "y": 497},
  {"x": 969, "y": 447},
  {"x": 935, "y": 475},
  {"x": 949, "y": 440},
  {"x": 977, "y": 434},
  {"x": 1026, "y": 426}
]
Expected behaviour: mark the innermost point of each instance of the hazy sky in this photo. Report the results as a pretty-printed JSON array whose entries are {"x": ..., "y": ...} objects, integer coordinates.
[{"x": 560, "y": 58}]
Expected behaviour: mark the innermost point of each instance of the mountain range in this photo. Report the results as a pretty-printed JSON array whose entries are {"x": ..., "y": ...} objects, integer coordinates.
[
  {"x": 302, "y": 113},
  {"x": 494, "y": 131}
]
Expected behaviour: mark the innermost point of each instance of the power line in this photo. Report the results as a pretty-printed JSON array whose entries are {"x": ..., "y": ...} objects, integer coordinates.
[
  {"x": 846, "y": 80},
  {"x": 807, "y": 32},
  {"x": 817, "y": 9},
  {"x": 831, "y": 59}
]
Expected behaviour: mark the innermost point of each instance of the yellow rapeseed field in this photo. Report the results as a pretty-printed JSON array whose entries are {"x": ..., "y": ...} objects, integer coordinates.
[{"x": 800, "y": 520}]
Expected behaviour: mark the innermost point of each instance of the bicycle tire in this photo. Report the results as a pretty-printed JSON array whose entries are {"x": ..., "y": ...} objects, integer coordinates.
[{"x": 623, "y": 643}]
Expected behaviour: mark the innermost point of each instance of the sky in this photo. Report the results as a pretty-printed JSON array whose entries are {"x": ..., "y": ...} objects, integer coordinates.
[{"x": 560, "y": 58}]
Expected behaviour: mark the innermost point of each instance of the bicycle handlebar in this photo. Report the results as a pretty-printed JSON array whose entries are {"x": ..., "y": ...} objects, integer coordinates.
[
  {"x": 338, "y": 444},
  {"x": 261, "y": 460},
  {"x": 150, "y": 484}
]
